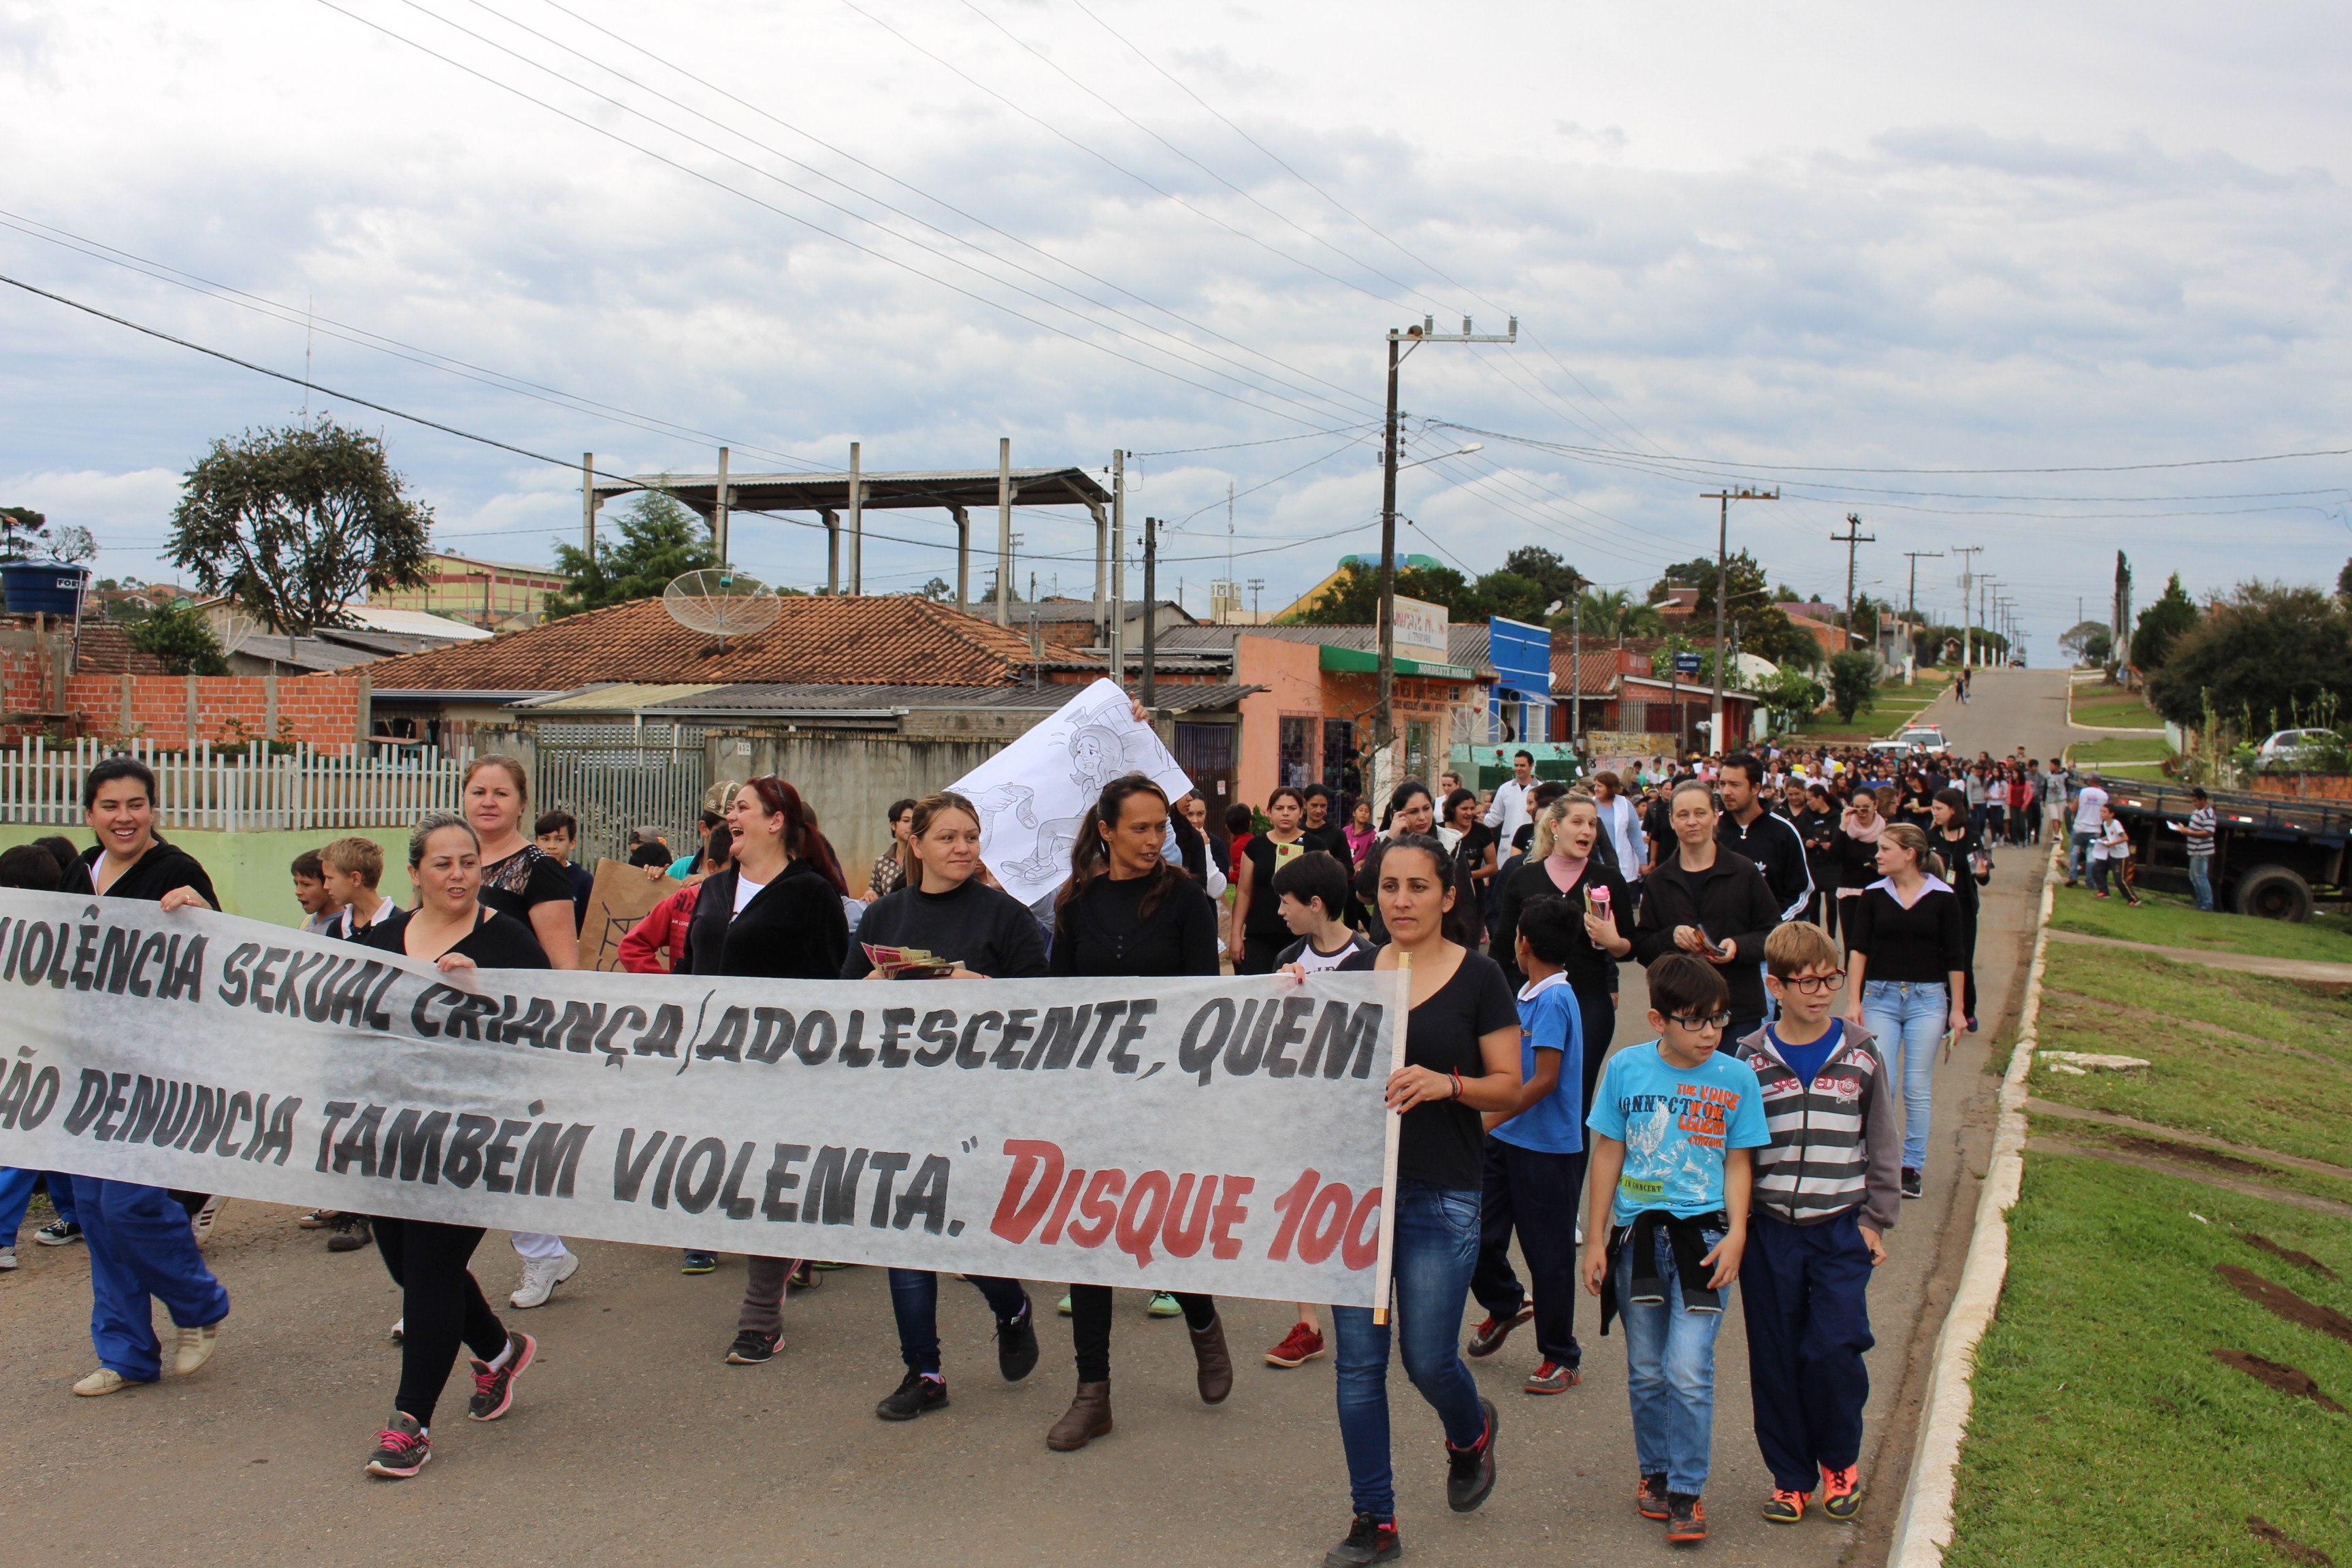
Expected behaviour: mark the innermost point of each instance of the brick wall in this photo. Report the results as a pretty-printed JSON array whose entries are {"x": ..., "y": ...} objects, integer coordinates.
[{"x": 324, "y": 709}]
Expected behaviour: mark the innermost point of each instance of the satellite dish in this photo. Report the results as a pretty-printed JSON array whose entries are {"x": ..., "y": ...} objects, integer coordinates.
[{"x": 722, "y": 604}]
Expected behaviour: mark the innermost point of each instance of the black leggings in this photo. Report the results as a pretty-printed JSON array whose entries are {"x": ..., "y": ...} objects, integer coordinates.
[
  {"x": 442, "y": 1307},
  {"x": 1090, "y": 1326}
]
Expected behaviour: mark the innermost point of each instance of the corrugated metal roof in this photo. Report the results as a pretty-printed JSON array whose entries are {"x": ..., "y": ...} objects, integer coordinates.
[
  {"x": 758, "y": 698},
  {"x": 623, "y": 697}
]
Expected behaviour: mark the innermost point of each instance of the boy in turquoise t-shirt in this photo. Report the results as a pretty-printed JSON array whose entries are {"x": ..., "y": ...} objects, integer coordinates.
[{"x": 1673, "y": 1123}]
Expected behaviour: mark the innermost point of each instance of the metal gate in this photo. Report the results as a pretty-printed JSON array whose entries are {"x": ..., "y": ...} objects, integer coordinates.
[{"x": 615, "y": 778}]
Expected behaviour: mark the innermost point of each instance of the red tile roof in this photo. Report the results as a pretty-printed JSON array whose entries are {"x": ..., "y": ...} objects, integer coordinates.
[
  {"x": 1601, "y": 668},
  {"x": 104, "y": 648},
  {"x": 817, "y": 639}
]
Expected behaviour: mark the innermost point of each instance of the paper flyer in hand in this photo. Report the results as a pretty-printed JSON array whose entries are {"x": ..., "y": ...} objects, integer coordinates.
[
  {"x": 1031, "y": 794},
  {"x": 905, "y": 963}
]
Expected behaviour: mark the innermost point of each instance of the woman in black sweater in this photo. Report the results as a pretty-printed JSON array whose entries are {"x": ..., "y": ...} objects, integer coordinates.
[
  {"x": 775, "y": 912},
  {"x": 986, "y": 933},
  {"x": 441, "y": 1303},
  {"x": 1968, "y": 862},
  {"x": 1566, "y": 861},
  {"x": 1906, "y": 948},
  {"x": 1125, "y": 911}
]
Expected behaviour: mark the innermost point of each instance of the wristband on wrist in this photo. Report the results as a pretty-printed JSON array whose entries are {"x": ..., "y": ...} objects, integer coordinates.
[{"x": 1457, "y": 1086}]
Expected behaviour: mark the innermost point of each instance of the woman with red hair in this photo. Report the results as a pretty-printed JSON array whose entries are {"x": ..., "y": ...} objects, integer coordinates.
[{"x": 775, "y": 912}]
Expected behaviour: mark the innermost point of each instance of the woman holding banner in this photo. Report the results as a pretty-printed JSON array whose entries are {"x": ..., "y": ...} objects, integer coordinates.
[
  {"x": 986, "y": 933},
  {"x": 442, "y": 1307},
  {"x": 775, "y": 912},
  {"x": 1462, "y": 1056},
  {"x": 141, "y": 1245},
  {"x": 522, "y": 880},
  {"x": 1125, "y": 911}
]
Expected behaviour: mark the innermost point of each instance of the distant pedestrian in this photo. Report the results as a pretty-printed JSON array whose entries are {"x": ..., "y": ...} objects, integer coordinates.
[{"x": 2199, "y": 833}]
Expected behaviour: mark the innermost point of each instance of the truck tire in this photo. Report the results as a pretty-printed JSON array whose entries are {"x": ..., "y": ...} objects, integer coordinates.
[{"x": 2274, "y": 893}]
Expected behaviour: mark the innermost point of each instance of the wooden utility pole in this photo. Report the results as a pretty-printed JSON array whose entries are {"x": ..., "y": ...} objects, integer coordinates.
[
  {"x": 1911, "y": 600},
  {"x": 1722, "y": 591},
  {"x": 588, "y": 506},
  {"x": 1004, "y": 531},
  {"x": 1968, "y": 602},
  {"x": 856, "y": 521},
  {"x": 1150, "y": 605},
  {"x": 719, "y": 512},
  {"x": 1852, "y": 536}
]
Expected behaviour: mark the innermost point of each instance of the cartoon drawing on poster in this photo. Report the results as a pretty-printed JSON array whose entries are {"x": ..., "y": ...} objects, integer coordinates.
[{"x": 1032, "y": 795}]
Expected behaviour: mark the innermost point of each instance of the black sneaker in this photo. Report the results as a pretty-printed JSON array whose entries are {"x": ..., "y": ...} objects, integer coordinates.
[
  {"x": 494, "y": 1391},
  {"x": 751, "y": 1347},
  {"x": 1489, "y": 1335},
  {"x": 1369, "y": 1540},
  {"x": 352, "y": 1233},
  {"x": 1686, "y": 1518},
  {"x": 1016, "y": 1345},
  {"x": 915, "y": 1394},
  {"x": 59, "y": 1233},
  {"x": 1470, "y": 1472},
  {"x": 1911, "y": 1187},
  {"x": 400, "y": 1450}
]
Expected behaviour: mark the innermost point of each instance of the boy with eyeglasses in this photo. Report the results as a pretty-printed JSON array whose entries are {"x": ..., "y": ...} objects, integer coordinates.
[
  {"x": 1673, "y": 1125},
  {"x": 1827, "y": 1189}
]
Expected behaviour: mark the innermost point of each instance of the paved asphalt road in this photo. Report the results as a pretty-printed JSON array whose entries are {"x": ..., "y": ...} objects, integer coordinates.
[{"x": 632, "y": 1441}]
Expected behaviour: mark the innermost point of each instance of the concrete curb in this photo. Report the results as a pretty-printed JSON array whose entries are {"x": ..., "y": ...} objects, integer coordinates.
[{"x": 1924, "y": 1527}]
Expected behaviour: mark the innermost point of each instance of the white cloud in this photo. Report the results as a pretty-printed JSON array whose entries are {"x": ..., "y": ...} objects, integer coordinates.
[{"x": 2007, "y": 238}]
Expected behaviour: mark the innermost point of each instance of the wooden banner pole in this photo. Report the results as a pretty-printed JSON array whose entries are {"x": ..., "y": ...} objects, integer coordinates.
[{"x": 1384, "y": 1270}]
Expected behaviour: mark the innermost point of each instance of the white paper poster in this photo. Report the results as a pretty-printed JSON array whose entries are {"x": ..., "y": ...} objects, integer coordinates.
[{"x": 1031, "y": 794}]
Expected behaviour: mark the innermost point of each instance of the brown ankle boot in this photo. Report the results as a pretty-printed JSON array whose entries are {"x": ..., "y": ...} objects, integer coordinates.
[
  {"x": 1087, "y": 1417},
  {"x": 1214, "y": 1362}
]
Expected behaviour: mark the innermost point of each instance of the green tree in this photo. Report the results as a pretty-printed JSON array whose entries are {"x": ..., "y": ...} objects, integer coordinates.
[
  {"x": 2344, "y": 582},
  {"x": 1853, "y": 682},
  {"x": 1354, "y": 600},
  {"x": 1792, "y": 697},
  {"x": 2161, "y": 624},
  {"x": 181, "y": 636},
  {"x": 1507, "y": 594},
  {"x": 2265, "y": 650},
  {"x": 1613, "y": 613},
  {"x": 1556, "y": 578},
  {"x": 2089, "y": 642},
  {"x": 660, "y": 539},
  {"x": 293, "y": 524}
]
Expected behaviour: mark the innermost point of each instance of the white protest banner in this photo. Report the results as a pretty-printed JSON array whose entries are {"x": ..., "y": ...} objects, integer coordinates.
[
  {"x": 1215, "y": 1134},
  {"x": 1031, "y": 794}
]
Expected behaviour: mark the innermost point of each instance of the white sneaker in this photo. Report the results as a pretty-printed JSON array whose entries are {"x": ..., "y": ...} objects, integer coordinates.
[
  {"x": 105, "y": 1380},
  {"x": 541, "y": 1275},
  {"x": 7, "y": 1258},
  {"x": 202, "y": 1222},
  {"x": 195, "y": 1348},
  {"x": 400, "y": 1330}
]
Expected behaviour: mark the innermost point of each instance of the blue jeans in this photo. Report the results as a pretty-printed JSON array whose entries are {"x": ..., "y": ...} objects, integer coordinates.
[
  {"x": 16, "y": 1196},
  {"x": 2201, "y": 880},
  {"x": 1670, "y": 1372},
  {"x": 915, "y": 1303},
  {"x": 1909, "y": 1020},
  {"x": 2077, "y": 848},
  {"x": 1436, "y": 1249}
]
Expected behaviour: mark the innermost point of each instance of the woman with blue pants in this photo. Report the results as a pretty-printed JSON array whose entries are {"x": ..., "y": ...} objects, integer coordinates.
[
  {"x": 1907, "y": 964},
  {"x": 1461, "y": 1055}
]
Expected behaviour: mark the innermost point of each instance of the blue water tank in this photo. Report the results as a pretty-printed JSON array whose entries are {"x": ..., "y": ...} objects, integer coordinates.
[{"x": 43, "y": 588}]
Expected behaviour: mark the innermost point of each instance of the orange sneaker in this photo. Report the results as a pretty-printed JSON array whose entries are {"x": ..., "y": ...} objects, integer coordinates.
[
  {"x": 1841, "y": 1491},
  {"x": 1785, "y": 1507},
  {"x": 1304, "y": 1343},
  {"x": 1687, "y": 1525}
]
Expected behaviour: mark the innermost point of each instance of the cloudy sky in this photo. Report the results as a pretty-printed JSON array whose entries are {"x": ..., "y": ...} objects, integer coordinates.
[{"x": 1891, "y": 263}]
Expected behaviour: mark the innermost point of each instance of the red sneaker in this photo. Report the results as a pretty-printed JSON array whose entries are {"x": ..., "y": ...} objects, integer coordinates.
[
  {"x": 1304, "y": 1344},
  {"x": 1494, "y": 1331},
  {"x": 1841, "y": 1491},
  {"x": 1550, "y": 1377}
]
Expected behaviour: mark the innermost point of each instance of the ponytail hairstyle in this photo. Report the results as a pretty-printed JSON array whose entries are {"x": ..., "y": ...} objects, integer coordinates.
[
  {"x": 1912, "y": 838},
  {"x": 1090, "y": 857},
  {"x": 801, "y": 839},
  {"x": 1548, "y": 825}
]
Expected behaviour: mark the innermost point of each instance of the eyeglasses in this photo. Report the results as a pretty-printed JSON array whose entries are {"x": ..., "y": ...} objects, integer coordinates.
[
  {"x": 1710, "y": 1020},
  {"x": 1815, "y": 984}
]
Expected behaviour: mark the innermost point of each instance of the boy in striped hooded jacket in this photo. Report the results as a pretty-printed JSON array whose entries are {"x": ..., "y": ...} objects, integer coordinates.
[{"x": 1827, "y": 1188}]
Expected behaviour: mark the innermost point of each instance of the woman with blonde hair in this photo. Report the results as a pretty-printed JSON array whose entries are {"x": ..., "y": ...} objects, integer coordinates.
[{"x": 1906, "y": 962}]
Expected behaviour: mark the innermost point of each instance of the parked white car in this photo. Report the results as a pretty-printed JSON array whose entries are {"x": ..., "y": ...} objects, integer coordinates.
[
  {"x": 1926, "y": 738},
  {"x": 2292, "y": 746}
]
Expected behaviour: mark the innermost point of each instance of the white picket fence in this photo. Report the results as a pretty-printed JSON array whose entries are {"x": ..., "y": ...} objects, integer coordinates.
[{"x": 243, "y": 788}]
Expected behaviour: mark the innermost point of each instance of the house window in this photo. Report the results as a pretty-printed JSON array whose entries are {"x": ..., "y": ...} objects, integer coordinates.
[
  {"x": 1339, "y": 770},
  {"x": 1296, "y": 763}
]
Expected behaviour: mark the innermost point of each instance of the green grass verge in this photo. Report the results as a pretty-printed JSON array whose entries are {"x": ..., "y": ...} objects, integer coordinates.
[
  {"x": 1893, "y": 705},
  {"x": 2119, "y": 750},
  {"x": 2271, "y": 1067},
  {"x": 2172, "y": 922},
  {"x": 2105, "y": 709},
  {"x": 2104, "y": 1431}
]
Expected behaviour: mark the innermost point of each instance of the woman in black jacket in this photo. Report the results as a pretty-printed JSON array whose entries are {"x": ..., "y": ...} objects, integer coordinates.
[
  {"x": 1906, "y": 951},
  {"x": 1817, "y": 825},
  {"x": 1711, "y": 902},
  {"x": 776, "y": 912},
  {"x": 1968, "y": 862},
  {"x": 946, "y": 909},
  {"x": 1125, "y": 911},
  {"x": 1566, "y": 861},
  {"x": 442, "y": 1305}
]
